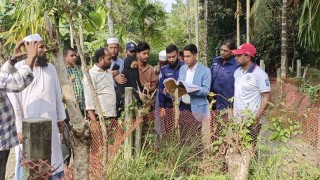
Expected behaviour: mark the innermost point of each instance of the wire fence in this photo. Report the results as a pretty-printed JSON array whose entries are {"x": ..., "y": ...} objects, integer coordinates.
[{"x": 307, "y": 117}]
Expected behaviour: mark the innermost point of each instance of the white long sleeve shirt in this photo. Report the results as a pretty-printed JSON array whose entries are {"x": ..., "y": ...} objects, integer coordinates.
[
  {"x": 42, "y": 98},
  {"x": 103, "y": 84}
]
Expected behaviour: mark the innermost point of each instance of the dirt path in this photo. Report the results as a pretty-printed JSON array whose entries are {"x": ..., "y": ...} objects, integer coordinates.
[{"x": 11, "y": 165}]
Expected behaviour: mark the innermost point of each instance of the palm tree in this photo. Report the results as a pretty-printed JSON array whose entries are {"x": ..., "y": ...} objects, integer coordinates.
[
  {"x": 309, "y": 29},
  {"x": 145, "y": 16}
]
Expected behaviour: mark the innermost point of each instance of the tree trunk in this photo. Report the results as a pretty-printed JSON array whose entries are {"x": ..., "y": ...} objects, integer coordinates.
[
  {"x": 110, "y": 18},
  {"x": 188, "y": 20},
  {"x": 205, "y": 50},
  {"x": 196, "y": 25},
  {"x": 238, "y": 12},
  {"x": 80, "y": 28},
  {"x": 238, "y": 163},
  {"x": 248, "y": 20},
  {"x": 284, "y": 41},
  {"x": 76, "y": 173},
  {"x": 81, "y": 138}
]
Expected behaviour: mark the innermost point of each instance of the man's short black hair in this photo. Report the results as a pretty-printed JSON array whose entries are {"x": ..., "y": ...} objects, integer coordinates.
[
  {"x": 100, "y": 53},
  {"x": 230, "y": 43},
  {"x": 142, "y": 46},
  {"x": 67, "y": 49},
  {"x": 181, "y": 53},
  {"x": 172, "y": 48},
  {"x": 192, "y": 48}
]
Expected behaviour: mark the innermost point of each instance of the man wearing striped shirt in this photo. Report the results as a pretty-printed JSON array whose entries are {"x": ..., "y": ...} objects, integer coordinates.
[{"x": 13, "y": 80}]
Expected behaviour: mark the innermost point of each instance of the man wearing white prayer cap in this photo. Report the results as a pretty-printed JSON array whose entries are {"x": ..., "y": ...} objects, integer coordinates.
[
  {"x": 42, "y": 98},
  {"x": 162, "y": 60},
  {"x": 117, "y": 63},
  {"x": 33, "y": 37}
]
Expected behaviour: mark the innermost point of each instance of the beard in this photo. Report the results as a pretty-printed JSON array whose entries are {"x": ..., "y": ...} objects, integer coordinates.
[
  {"x": 115, "y": 57},
  {"x": 42, "y": 61},
  {"x": 174, "y": 64}
]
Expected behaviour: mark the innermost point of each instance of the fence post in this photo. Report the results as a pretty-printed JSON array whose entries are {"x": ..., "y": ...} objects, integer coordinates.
[
  {"x": 305, "y": 71},
  {"x": 137, "y": 142},
  {"x": 262, "y": 65},
  {"x": 176, "y": 113},
  {"x": 299, "y": 68},
  {"x": 279, "y": 75},
  {"x": 129, "y": 115},
  {"x": 37, "y": 133}
]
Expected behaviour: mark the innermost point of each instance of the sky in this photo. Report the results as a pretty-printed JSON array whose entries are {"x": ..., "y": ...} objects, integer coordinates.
[{"x": 167, "y": 4}]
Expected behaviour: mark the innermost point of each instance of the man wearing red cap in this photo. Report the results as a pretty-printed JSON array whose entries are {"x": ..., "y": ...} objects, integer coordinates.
[{"x": 252, "y": 86}]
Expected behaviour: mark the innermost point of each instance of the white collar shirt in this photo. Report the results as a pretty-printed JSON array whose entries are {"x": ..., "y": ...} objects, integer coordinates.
[
  {"x": 189, "y": 78},
  {"x": 104, "y": 88}
]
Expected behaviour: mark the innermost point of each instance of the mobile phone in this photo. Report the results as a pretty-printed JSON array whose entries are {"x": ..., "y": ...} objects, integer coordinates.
[{"x": 115, "y": 67}]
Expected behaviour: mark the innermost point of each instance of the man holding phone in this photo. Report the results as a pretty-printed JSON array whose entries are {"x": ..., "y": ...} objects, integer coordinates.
[
  {"x": 13, "y": 80},
  {"x": 117, "y": 63}
]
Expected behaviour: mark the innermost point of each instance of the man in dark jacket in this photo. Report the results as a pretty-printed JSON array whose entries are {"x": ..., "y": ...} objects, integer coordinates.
[{"x": 170, "y": 70}]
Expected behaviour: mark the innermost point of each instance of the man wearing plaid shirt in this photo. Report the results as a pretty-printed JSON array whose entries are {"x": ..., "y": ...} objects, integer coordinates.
[
  {"x": 13, "y": 80},
  {"x": 75, "y": 75}
]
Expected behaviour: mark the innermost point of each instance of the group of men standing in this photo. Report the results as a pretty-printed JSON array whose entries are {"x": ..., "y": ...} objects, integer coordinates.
[{"x": 37, "y": 91}]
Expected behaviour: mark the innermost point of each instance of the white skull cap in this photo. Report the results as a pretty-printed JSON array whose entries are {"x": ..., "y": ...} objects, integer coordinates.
[
  {"x": 112, "y": 41},
  {"x": 33, "y": 37},
  {"x": 163, "y": 55}
]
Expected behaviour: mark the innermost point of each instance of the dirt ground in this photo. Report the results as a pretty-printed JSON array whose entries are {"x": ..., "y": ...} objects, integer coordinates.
[{"x": 11, "y": 165}]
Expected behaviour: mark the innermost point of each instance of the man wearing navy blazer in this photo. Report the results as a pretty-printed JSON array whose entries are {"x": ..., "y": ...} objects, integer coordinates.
[{"x": 196, "y": 102}]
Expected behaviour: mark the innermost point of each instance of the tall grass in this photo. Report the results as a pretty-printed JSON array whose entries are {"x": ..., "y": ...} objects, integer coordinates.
[{"x": 172, "y": 160}]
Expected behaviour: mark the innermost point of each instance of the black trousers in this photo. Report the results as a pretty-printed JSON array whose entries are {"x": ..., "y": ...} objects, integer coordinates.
[
  {"x": 184, "y": 107},
  {"x": 3, "y": 162}
]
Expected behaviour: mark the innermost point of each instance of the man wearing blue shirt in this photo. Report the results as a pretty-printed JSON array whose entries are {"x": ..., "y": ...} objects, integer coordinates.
[
  {"x": 222, "y": 71},
  {"x": 117, "y": 63},
  {"x": 170, "y": 70}
]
